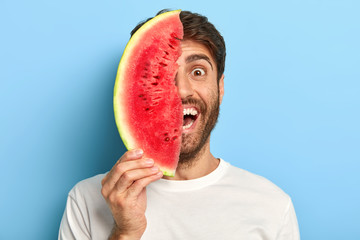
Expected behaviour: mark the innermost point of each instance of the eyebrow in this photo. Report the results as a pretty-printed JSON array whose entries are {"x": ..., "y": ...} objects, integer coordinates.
[{"x": 195, "y": 57}]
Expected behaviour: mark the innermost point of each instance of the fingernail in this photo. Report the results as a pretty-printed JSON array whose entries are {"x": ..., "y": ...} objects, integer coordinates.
[
  {"x": 139, "y": 152},
  {"x": 149, "y": 161},
  {"x": 155, "y": 169}
]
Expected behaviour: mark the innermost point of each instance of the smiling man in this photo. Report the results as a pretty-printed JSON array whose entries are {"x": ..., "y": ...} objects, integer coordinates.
[
  {"x": 201, "y": 92},
  {"x": 208, "y": 198}
]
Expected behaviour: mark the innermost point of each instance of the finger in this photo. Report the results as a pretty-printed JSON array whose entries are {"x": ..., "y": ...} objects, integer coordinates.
[
  {"x": 131, "y": 155},
  {"x": 119, "y": 170},
  {"x": 127, "y": 156},
  {"x": 135, "y": 189},
  {"x": 129, "y": 177}
]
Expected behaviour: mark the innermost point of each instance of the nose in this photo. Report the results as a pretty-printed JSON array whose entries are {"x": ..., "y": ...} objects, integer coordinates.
[{"x": 184, "y": 85}]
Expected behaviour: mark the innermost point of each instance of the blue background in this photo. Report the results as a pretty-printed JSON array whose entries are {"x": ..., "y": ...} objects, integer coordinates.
[{"x": 290, "y": 111}]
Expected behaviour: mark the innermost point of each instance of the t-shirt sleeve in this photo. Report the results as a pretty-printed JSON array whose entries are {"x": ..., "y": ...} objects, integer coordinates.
[
  {"x": 73, "y": 224},
  {"x": 289, "y": 229}
]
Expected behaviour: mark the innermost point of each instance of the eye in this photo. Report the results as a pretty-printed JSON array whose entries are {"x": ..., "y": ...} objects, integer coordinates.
[{"x": 198, "y": 72}]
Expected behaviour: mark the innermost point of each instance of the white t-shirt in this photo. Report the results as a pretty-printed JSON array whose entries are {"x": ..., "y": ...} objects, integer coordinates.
[{"x": 229, "y": 203}]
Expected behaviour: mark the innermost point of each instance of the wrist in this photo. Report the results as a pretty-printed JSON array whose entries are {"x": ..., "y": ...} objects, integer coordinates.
[
  {"x": 127, "y": 238},
  {"x": 122, "y": 237},
  {"x": 117, "y": 235}
]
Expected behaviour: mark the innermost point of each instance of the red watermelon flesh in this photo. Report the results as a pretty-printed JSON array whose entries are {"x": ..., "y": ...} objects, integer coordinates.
[{"x": 147, "y": 106}]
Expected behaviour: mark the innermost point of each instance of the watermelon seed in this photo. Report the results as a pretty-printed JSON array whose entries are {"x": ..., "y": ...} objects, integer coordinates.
[
  {"x": 172, "y": 41},
  {"x": 171, "y": 46},
  {"x": 167, "y": 139},
  {"x": 157, "y": 77},
  {"x": 174, "y": 138},
  {"x": 175, "y": 130},
  {"x": 163, "y": 64},
  {"x": 174, "y": 35},
  {"x": 165, "y": 134},
  {"x": 147, "y": 109},
  {"x": 141, "y": 95},
  {"x": 155, "y": 83},
  {"x": 166, "y": 52}
]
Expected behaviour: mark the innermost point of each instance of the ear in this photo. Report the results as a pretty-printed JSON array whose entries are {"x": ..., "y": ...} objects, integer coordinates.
[{"x": 221, "y": 88}]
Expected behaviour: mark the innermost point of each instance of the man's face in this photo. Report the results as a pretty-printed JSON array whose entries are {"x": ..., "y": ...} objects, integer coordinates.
[{"x": 201, "y": 95}]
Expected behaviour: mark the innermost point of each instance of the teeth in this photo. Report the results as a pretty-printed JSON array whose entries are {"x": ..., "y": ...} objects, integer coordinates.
[
  {"x": 188, "y": 125},
  {"x": 190, "y": 111}
]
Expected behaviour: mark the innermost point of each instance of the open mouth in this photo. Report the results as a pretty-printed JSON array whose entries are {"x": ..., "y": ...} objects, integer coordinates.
[{"x": 190, "y": 116}]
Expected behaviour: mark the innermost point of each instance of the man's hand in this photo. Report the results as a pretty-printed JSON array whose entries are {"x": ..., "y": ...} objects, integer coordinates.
[{"x": 124, "y": 190}]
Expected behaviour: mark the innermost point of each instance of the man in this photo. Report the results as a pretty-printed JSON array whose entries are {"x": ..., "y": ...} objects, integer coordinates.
[{"x": 208, "y": 198}]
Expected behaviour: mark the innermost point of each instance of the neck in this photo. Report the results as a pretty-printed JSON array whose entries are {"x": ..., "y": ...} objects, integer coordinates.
[{"x": 202, "y": 164}]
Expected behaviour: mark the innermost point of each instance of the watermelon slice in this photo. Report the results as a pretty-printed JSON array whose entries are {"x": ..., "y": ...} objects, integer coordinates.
[{"x": 147, "y": 106}]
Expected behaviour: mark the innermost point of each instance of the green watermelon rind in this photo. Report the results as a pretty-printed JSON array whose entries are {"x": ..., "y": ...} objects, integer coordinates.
[{"x": 120, "y": 119}]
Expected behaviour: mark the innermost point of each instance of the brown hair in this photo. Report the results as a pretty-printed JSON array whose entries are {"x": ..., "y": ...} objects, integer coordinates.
[{"x": 199, "y": 29}]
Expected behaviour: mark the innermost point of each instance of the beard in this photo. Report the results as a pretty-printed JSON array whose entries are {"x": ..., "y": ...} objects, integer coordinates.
[{"x": 193, "y": 143}]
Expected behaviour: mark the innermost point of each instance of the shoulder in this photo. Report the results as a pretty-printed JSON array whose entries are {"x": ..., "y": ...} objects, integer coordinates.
[
  {"x": 261, "y": 200},
  {"x": 87, "y": 215},
  {"x": 89, "y": 188},
  {"x": 255, "y": 186}
]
